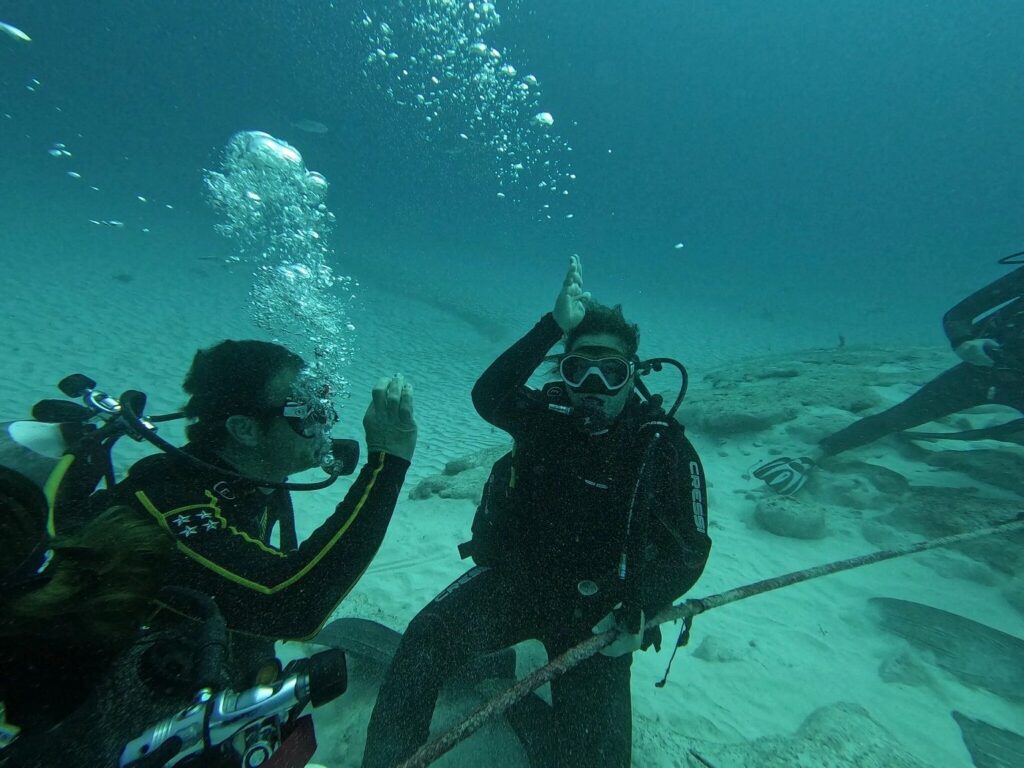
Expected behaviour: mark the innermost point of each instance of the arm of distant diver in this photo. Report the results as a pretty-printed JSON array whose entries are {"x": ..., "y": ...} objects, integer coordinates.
[
  {"x": 677, "y": 527},
  {"x": 958, "y": 322},
  {"x": 289, "y": 595},
  {"x": 1008, "y": 432},
  {"x": 496, "y": 391}
]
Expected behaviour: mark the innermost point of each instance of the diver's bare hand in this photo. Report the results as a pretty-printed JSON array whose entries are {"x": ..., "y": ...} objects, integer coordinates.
[
  {"x": 570, "y": 306},
  {"x": 389, "y": 422}
]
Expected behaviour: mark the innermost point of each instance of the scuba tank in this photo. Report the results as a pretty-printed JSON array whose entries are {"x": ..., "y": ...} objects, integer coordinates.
[
  {"x": 65, "y": 449},
  {"x": 32, "y": 449}
]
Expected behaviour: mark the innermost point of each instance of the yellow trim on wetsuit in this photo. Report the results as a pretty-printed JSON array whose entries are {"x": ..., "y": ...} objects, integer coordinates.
[
  {"x": 51, "y": 488},
  {"x": 214, "y": 506},
  {"x": 161, "y": 518}
]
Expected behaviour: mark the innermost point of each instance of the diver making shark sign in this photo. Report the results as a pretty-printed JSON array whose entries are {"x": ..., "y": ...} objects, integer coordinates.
[{"x": 595, "y": 519}]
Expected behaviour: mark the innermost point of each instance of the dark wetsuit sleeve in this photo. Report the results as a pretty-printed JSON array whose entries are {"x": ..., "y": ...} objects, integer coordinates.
[
  {"x": 266, "y": 591},
  {"x": 677, "y": 538},
  {"x": 958, "y": 322},
  {"x": 500, "y": 392}
]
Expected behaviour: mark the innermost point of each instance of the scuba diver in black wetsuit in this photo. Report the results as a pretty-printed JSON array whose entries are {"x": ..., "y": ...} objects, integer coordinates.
[
  {"x": 71, "y": 643},
  {"x": 258, "y": 416},
  {"x": 596, "y": 519},
  {"x": 986, "y": 330}
]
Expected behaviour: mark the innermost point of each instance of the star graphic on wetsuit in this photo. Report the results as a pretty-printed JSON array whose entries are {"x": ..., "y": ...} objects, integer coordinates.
[
  {"x": 204, "y": 515},
  {"x": 181, "y": 520},
  {"x": 188, "y": 530},
  {"x": 209, "y": 525}
]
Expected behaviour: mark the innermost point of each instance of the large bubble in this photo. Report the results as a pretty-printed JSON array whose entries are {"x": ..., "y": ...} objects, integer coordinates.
[
  {"x": 433, "y": 57},
  {"x": 272, "y": 207}
]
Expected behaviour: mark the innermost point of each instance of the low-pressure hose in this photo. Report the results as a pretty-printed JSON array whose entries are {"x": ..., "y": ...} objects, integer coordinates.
[
  {"x": 631, "y": 561},
  {"x": 139, "y": 429}
]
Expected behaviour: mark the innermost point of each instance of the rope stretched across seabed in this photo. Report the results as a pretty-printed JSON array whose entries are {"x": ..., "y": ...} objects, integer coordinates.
[{"x": 686, "y": 610}]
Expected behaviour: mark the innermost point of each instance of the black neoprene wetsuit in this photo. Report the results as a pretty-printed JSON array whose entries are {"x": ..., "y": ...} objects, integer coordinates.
[
  {"x": 570, "y": 504},
  {"x": 43, "y": 680},
  {"x": 994, "y": 312},
  {"x": 222, "y": 528}
]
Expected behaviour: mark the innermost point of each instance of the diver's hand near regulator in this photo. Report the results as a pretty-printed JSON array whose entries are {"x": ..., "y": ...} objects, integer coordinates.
[
  {"x": 389, "y": 422},
  {"x": 570, "y": 306},
  {"x": 978, "y": 351}
]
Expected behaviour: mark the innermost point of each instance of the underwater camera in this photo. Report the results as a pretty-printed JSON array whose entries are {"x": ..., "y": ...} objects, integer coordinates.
[{"x": 262, "y": 726}]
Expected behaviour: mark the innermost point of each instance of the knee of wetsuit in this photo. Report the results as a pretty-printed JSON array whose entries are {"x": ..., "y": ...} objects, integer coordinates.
[
  {"x": 426, "y": 627},
  {"x": 428, "y": 640}
]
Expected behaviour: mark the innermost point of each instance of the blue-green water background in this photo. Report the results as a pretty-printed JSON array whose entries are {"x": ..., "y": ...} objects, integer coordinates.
[{"x": 831, "y": 167}]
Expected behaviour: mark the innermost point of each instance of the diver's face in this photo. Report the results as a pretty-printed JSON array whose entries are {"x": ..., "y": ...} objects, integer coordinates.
[
  {"x": 285, "y": 445},
  {"x": 591, "y": 390}
]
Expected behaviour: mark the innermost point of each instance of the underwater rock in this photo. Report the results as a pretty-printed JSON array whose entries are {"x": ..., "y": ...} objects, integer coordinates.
[
  {"x": 790, "y": 517},
  {"x": 466, "y": 485},
  {"x": 841, "y": 735},
  {"x": 931, "y": 512},
  {"x": 845, "y": 490},
  {"x": 757, "y": 394},
  {"x": 882, "y": 535},
  {"x": 974, "y": 653},
  {"x": 1001, "y": 468},
  {"x": 882, "y": 479},
  {"x": 1014, "y": 592},
  {"x": 716, "y": 649},
  {"x": 955, "y": 565},
  {"x": 990, "y": 747},
  {"x": 482, "y": 458},
  {"x": 463, "y": 478},
  {"x": 906, "y": 669},
  {"x": 752, "y": 418}
]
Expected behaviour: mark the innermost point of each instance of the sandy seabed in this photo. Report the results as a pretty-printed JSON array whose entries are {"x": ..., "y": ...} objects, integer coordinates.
[{"x": 769, "y": 663}]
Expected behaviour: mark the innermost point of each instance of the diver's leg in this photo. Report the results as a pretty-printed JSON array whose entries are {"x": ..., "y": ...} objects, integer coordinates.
[
  {"x": 963, "y": 386},
  {"x": 480, "y": 612},
  {"x": 593, "y": 714}
]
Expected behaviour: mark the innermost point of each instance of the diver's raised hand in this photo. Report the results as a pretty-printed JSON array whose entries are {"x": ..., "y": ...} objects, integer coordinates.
[
  {"x": 389, "y": 422},
  {"x": 570, "y": 306},
  {"x": 978, "y": 351}
]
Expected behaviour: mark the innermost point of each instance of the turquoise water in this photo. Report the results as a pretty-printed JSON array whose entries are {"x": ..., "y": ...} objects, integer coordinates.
[{"x": 829, "y": 169}]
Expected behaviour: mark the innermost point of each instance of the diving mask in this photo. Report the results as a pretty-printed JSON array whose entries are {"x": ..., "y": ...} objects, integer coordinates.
[
  {"x": 309, "y": 410},
  {"x": 607, "y": 374}
]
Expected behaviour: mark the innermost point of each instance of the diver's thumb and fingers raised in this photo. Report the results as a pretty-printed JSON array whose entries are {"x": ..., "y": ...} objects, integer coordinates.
[
  {"x": 389, "y": 422},
  {"x": 394, "y": 395},
  {"x": 406, "y": 417},
  {"x": 569, "y": 305},
  {"x": 379, "y": 394},
  {"x": 574, "y": 275}
]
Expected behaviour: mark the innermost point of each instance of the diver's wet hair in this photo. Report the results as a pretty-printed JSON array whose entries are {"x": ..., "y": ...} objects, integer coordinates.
[
  {"x": 232, "y": 378},
  {"x": 603, "y": 319},
  {"x": 101, "y": 581}
]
